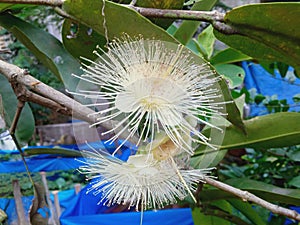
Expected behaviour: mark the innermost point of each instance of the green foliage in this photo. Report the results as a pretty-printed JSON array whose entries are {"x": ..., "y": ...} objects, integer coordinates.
[
  {"x": 46, "y": 48},
  {"x": 9, "y": 101},
  {"x": 266, "y": 37},
  {"x": 262, "y": 132},
  {"x": 276, "y": 166},
  {"x": 56, "y": 180},
  {"x": 187, "y": 29}
]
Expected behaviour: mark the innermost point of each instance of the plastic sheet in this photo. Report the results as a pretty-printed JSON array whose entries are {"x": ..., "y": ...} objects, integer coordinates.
[{"x": 268, "y": 85}]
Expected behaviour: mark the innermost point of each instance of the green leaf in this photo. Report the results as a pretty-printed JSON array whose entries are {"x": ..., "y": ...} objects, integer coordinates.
[
  {"x": 233, "y": 113},
  {"x": 259, "y": 98},
  {"x": 229, "y": 55},
  {"x": 134, "y": 25},
  {"x": 270, "y": 131},
  {"x": 187, "y": 29},
  {"x": 206, "y": 40},
  {"x": 81, "y": 40},
  {"x": 268, "y": 32},
  {"x": 202, "y": 219},
  {"x": 55, "y": 151},
  {"x": 295, "y": 182},
  {"x": 13, "y": 7},
  {"x": 283, "y": 68},
  {"x": 294, "y": 155},
  {"x": 234, "y": 75},
  {"x": 296, "y": 98},
  {"x": 246, "y": 209},
  {"x": 45, "y": 47},
  {"x": 25, "y": 126},
  {"x": 61, "y": 182}
]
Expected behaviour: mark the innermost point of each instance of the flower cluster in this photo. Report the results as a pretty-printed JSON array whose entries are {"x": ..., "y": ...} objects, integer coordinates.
[{"x": 160, "y": 95}]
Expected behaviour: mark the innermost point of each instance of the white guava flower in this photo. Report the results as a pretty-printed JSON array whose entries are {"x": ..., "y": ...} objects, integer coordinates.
[
  {"x": 142, "y": 181},
  {"x": 151, "y": 86}
]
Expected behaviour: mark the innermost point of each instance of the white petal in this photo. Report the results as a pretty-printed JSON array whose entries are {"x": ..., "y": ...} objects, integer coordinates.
[{"x": 125, "y": 102}]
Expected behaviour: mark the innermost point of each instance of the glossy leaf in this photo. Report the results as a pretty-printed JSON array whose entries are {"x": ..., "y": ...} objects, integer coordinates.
[
  {"x": 228, "y": 55},
  {"x": 25, "y": 126},
  {"x": 45, "y": 47},
  {"x": 204, "y": 219},
  {"x": 81, "y": 40},
  {"x": 234, "y": 75},
  {"x": 295, "y": 182},
  {"x": 270, "y": 131},
  {"x": 134, "y": 25},
  {"x": 294, "y": 155},
  {"x": 53, "y": 151},
  {"x": 13, "y": 7},
  {"x": 206, "y": 40},
  {"x": 246, "y": 209},
  {"x": 188, "y": 28},
  {"x": 273, "y": 36}
]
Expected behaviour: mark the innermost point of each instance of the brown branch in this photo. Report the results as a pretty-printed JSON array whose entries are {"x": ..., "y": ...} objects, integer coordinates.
[
  {"x": 44, "y": 95},
  {"x": 214, "y": 17},
  {"x": 25, "y": 95},
  {"x": 206, "y": 16},
  {"x": 35, "y": 2},
  {"x": 15, "y": 74},
  {"x": 247, "y": 196}
]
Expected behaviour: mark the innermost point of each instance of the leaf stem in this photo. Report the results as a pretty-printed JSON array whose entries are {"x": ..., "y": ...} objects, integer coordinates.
[{"x": 12, "y": 130}]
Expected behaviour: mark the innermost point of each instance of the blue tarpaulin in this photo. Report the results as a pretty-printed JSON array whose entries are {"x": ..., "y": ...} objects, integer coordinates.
[
  {"x": 268, "y": 85},
  {"x": 161, "y": 217},
  {"x": 84, "y": 208}
]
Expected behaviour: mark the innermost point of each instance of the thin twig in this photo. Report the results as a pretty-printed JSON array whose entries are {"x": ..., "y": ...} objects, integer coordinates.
[
  {"x": 247, "y": 196},
  {"x": 12, "y": 131}
]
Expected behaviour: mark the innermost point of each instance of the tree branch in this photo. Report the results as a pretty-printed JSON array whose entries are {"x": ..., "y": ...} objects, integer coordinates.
[
  {"x": 247, "y": 196},
  {"x": 206, "y": 16},
  {"x": 35, "y": 2},
  {"x": 16, "y": 75},
  {"x": 214, "y": 17},
  {"x": 49, "y": 97}
]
